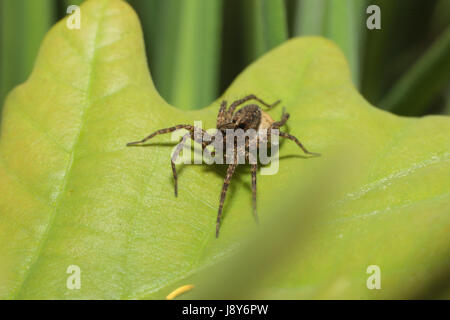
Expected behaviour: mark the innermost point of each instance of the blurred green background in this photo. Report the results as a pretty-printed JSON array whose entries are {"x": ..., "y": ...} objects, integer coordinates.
[{"x": 196, "y": 48}]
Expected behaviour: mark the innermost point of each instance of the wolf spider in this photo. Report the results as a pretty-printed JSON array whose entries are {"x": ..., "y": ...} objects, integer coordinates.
[{"x": 248, "y": 117}]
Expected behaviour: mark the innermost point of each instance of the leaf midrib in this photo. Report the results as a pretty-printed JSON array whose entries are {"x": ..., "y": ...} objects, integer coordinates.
[{"x": 68, "y": 169}]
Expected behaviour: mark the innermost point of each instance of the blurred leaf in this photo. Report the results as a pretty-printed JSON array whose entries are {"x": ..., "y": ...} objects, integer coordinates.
[
  {"x": 251, "y": 28},
  {"x": 415, "y": 91},
  {"x": 339, "y": 21},
  {"x": 265, "y": 26},
  {"x": 279, "y": 240},
  {"x": 390, "y": 52},
  {"x": 314, "y": 250},
  {"x": 310, "y": 17},
  {"x": 165, "y": 46},
  {"x": 274, "y": 23},
  {"x": 185, "y": 47},
  {"x": 73, "y": 194},
  {"x": 377, "y": 50},
  {"x": 441, "y": 16},
  {"x": 23, "y": 25},
  {"x": 195, "y": 78},
  {"x": 447, "y": 102},
  {"x": 343, "y": 24},
  {"x": 149, "y": 12},
  {"x": 68, "y": 3}
]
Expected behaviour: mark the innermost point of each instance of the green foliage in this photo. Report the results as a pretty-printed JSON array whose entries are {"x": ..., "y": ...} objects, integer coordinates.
[
  {"x": 73, "y": 194},
  {"x": 415, "y": 91},
  {"x": 340, "y": 21},
  {"x": 195, "y": 48},
  {"x": 23, "y": 24},
  {"x": 310, "y": 17},
  {"x": 184, "y": 39},
  {"x": 399, "y": 70}
]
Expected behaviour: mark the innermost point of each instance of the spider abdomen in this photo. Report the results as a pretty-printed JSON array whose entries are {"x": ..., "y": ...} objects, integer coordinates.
[{"x": 266, "y": 121}]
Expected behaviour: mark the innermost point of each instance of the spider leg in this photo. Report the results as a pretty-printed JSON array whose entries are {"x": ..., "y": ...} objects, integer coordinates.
[
  {"x": 174, "y": 157},
  {"x": 221, "y": 118},
  {"x": 254, "y": 167},
  {"x": 226, "y": 183},
  {"x": 249, "y": 158},
  {"x": 167, "y": 130},
  {"x": 177, "y": 153},
  {"x": 279, "y": 124},
  {"x": 180, "y": 146},
  {"x": 291, "y": 137},
  {"x": 160, "y": 131},
  {"x": 237, "y": 103}
]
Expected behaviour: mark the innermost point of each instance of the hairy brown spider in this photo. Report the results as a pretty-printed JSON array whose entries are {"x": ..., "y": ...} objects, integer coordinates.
[{"x": 248, "y": 117}]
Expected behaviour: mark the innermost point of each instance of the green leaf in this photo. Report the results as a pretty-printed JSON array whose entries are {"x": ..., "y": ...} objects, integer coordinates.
[
  {"x": 195, "y": 79},
  {"x": 274, "y": 22},
  {"x": 184, "y": 48},
  {"x": 68, "y": 3},
  {"x": 310, "y": 15},
  {"x": 423, "y": 82},
  {"x": 159, "y": 20},
  {"x": 74, "y": 194},
  {"x": 23, "y": 25},
  {"x": 339, "y": 21},
  {"x": 343, "y": 24},
  {"x": 379, "y": 46},
  {"x": 265, "y": 26}
]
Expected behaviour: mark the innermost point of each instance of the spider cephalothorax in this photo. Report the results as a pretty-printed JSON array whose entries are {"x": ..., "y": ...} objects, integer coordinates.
[{"x": 248, "y": 117}]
